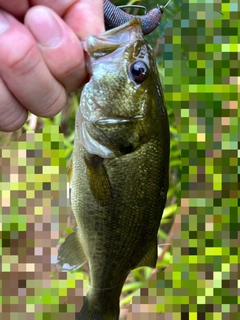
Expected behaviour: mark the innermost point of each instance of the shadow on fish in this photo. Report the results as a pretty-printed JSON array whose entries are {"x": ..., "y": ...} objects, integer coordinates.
[{"x": 119, "y": 168}]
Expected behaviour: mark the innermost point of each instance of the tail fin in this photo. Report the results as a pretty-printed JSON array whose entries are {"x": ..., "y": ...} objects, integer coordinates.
[{"x": 91, "y": 311}]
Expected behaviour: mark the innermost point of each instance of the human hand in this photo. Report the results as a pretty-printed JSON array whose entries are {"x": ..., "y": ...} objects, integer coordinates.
[{"x": 42, "y": 58}]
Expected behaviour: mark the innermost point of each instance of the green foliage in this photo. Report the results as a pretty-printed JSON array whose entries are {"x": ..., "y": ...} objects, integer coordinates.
[
  {"x": 66, "y": 121},
  {"x": 201, "y": 80}
]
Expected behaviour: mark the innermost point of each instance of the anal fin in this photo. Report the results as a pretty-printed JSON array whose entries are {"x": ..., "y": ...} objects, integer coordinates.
[
  {"x": 71, "y": 253},
  {"x": 150, "y": 258}
]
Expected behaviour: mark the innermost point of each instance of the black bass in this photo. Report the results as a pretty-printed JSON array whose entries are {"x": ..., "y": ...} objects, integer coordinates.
[{"x": 119, "y": 167}]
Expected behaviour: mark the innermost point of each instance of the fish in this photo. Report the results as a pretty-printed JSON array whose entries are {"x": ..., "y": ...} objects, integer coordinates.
[{"x": 119, "y": 169}]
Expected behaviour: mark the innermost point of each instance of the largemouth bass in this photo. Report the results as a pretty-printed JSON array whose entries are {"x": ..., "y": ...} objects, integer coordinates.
[{"x": 119, "y": 167}]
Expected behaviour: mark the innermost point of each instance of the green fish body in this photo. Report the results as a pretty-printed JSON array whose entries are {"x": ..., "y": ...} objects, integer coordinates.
[{"x": 119, "y": 167}]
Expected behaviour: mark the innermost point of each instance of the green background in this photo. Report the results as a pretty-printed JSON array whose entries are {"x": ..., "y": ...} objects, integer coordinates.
[{"x": 198, "y": 61}]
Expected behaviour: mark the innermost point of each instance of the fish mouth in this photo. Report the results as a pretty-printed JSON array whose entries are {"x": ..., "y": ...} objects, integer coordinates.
[
  {"x": 109, "y": 121},
  {"x": 112, "y": 121}
]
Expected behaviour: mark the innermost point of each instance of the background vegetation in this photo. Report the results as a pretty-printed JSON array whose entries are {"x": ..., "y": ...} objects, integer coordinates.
[
  {"x": 66, "y": 121},
  {"x": 199, "y": 66}
]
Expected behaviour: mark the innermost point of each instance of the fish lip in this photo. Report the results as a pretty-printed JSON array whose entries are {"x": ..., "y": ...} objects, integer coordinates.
[
  {"x": 112, "y": 121},
  {"x": 109, "y": 121}
]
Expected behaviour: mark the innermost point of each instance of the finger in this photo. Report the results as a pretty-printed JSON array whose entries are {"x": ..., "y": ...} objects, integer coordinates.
[
  {"x": 25, "y": 72},
  {"x": 86, "y": 18},
  {"x": 59, "y": 6},
  {"x": 17, "y": 8},
  {"x": 59, "y": 45},
  {"x": 13, "y": 114}
]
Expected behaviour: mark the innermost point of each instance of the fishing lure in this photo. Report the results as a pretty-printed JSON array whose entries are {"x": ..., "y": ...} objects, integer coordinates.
[{"x": 114, "y": 16}]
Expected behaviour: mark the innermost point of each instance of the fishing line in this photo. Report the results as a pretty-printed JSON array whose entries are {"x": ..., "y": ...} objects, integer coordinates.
[{"x": 167, "y": 4}]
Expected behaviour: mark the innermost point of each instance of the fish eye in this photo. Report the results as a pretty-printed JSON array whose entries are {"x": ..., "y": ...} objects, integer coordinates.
[{"x": 139, "y": 71}]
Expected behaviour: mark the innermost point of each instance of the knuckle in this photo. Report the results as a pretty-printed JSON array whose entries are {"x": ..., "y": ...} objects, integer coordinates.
[
  {"x": 12, "y": 122},
  {"x": 19, "y": 54},
  {"x": 13, "y": 114},
  {"x": 25, "y": 61},
  {"x": 53, "y": 104}
]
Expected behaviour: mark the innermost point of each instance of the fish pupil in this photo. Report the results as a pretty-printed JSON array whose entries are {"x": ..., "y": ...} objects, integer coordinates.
[{"x": 139, "y": 71}]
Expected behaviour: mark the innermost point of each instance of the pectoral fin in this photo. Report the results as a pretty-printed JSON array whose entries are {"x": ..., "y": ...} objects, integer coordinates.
[
  {"x": 71, "y": 253},
  {"x": 150, "y": 259},
  {"x": 98, "y": 179}
]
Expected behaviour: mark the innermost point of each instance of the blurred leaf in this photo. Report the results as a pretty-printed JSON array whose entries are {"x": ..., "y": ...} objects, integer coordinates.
[
  {"x": 133, "y": 286},
  {"x": 175, "y": 153},
  {"x": 169, "y": 211},
  {"x": 137, "y": 274},
  {"x": 170, "y": 193},
  {"x": 69, "y": 230},
  {"x": 52, "y": 274},
  {"x": 161, "y": 72},
  {"x": 26, "y": 127},
  {"x": 167, "y": 259},
  {"x": 147, "y": 272},
  {"x": 47, "y": 121},
  {"x": 173, "y": 143},
  {"x": 127, "y": 299},
  {"x": 162, "y": 234},
  {"x": 173, "y": 130},
  {"x": 175, "y": 163},
  {"x": 68, "y": 152},
  {"x": 172, "y": 8},
  {"x": 61, "y": 240},
  {"x": 132, "y": 2}
]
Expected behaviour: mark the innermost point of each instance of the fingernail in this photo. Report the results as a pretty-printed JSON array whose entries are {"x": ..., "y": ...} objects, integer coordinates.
[
  {"x": 4, "y": 23},
  {"x": 45, "y": 27}
]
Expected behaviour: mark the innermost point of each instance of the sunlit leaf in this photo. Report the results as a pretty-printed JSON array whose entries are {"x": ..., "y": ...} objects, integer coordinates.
[
  {"x": 175, "y": 163},
  {"x": 133, "y": 286},
  {"x": 169, "y": 211},
  {"x": 147, "y": 272},
  {"x": 162, "y": 234},
  {"x": 132, "y": 2}
]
